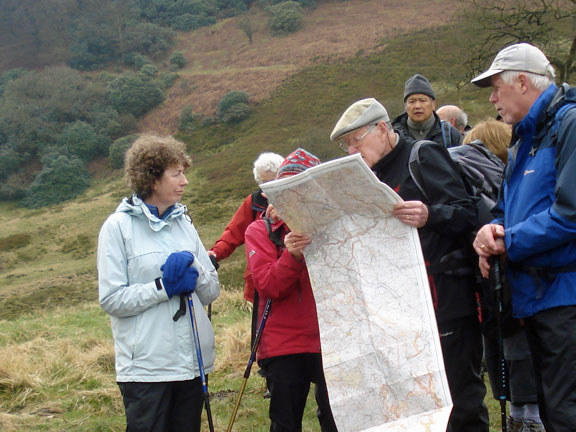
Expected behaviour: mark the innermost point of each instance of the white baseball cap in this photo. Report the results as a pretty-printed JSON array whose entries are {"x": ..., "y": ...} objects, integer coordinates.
[{"x": 520, "y": 57}]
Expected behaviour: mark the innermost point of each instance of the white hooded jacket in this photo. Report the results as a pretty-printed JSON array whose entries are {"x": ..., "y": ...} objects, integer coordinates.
[{"x": 150, "y": 346}]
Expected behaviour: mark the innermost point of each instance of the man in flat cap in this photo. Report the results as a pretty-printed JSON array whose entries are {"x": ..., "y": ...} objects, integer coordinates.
[
  {"x": 444, "y": 216},
  {"x": 420, "y": 121},
  {"x": 535, "y": 226}
]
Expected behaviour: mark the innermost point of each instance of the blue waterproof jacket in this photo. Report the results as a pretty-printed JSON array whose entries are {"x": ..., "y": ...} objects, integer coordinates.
[{"x": 538, "y": 201}]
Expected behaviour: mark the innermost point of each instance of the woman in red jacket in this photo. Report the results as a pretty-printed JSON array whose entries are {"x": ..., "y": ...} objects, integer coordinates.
[{"x": 289, "y": 350}]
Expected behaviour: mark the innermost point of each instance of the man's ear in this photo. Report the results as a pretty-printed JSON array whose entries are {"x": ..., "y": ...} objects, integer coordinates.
[
  {"x": 382, "y": 127},
  {"x": 523, "y": 82}
]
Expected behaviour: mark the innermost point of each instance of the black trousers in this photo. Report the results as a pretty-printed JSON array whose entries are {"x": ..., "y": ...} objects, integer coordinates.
[
  {"x": 519, "y": 368},
  {"x": 288, "y": 378},
  {"x": 552, "y": 338},
  {"x": 461, "y": 341},
  {"x": 163, "y": 407}
]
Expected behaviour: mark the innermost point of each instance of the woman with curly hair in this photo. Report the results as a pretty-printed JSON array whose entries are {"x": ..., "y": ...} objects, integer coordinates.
[{"x": 149, "y": 258}]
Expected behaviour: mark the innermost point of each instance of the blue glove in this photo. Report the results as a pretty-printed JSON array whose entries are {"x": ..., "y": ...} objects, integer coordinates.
[
  {"x": 176, "y": 264},
  {"x": 186, "y": 284}
]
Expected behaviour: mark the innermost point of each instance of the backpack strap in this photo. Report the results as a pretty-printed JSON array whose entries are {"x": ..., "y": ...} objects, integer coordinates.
[
  {"x": 259, "y": 204},
  {"x": 557, "y": 114},
  {"x": 414, "y": 166},
  {"x": 446, "y": 133},
  {"x": 558, "y": 117},
  {"x": 275, "y": 237}
]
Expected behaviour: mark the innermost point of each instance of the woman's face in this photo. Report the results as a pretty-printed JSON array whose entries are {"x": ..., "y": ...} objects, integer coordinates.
[{"x": 168, "y": 189}]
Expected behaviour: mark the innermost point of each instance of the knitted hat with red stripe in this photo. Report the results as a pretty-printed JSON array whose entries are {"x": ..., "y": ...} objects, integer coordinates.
[{"x": 296, "y": 162}]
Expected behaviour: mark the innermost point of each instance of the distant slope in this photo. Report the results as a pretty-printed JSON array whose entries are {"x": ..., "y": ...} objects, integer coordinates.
[{"x": 221, "y": 59}]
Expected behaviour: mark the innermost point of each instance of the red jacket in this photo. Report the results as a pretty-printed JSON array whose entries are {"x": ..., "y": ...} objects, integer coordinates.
[
  {"x": 233, "y": 237},
  {"x": 292, "y": 326}
]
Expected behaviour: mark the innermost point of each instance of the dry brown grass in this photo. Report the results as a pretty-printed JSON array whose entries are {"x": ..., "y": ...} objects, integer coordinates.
[
  {"x": 62, "y": 361},
  {"x": 50, "y": 366},
  {"x": 221, "y": 59},
  {"x": 233, "y": 337}
]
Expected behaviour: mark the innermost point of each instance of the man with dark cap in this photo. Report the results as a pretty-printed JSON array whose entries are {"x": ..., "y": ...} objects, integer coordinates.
[
  {"x": 444, "y": 217},
  {"x": 420, "y": 121},
  {"x": 535, "y": 226}
]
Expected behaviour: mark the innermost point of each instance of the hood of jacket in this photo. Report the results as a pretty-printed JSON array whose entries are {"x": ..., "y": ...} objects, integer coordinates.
[{"x": 136, "y": 207}]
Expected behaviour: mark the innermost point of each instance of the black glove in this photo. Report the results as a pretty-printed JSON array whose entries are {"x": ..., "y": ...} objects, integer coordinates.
[{"x": 214, "y": 261}]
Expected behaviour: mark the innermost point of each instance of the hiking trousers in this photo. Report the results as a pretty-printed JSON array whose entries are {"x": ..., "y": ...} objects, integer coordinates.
[
  {"x": 461, "y": 341},
  {"x": 288, "y": 378},
  {"x": 552, "y": 338},
  {"x": 174, "y": 406}
]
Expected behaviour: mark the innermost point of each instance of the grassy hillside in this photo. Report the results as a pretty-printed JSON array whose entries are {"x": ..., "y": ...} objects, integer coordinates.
[
  {"x": 56, "y": 355},
  {"x": 221, "y": 58}
]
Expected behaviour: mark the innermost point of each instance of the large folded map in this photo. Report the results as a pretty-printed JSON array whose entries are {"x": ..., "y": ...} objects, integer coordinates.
[{"x": 380, "y": 345}]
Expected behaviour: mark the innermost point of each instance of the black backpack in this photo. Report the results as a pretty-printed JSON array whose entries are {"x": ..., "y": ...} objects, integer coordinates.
[{"x": 481, "y": 170}]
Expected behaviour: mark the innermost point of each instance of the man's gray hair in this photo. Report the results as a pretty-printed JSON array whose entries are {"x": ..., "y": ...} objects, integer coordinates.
[
  {"x": 267, "y": 161},
  {"x": 541, "y": 82},
  {"x": 446, "y": 112},
  {"x": 461, "y": 120}
]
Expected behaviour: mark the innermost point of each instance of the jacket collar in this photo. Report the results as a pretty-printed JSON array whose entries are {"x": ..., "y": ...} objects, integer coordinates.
[
  {"x": 528, "y": 125},
  {"x": 136, "y": 207}
]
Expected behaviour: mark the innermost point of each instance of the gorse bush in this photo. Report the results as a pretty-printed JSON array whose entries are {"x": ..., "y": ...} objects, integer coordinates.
[
  {"x": 117, "y": 150},
  {"x": 98, "y": 42},
  {"x": 188, "y": 120},
  {"x": 134, "y": 93},
  {"x": 178, "y": 60},
  {"x": 82, "y": 140},
  {"x": 61, "y": 178},
  {"x": 188, "y": 22},
  {"x": 59, "y": 111},
  {"x": 233, "y": 107},
  {"x": 285, "y": 18}
]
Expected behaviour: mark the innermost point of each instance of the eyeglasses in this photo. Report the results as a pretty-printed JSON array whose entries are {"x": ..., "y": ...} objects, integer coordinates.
[{"x": 355, "y": 142}]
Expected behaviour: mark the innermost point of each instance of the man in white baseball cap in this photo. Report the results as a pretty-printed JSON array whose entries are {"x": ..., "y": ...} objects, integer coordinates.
[{"x": 535, "y": 225}]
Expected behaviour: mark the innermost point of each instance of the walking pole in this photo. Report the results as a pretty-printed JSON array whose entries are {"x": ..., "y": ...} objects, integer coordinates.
[
  {"x": 250, "y": 362},
  {"x": 200, "y": 362},
  {"x": 497, "y": 285}
]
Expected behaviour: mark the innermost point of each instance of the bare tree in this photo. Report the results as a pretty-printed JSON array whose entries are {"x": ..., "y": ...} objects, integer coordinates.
[{"x": 549, "y": 24}]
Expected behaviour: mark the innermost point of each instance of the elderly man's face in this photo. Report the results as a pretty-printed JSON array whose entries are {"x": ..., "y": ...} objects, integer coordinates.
[
  {"x": 372, "y": 146},
  {"x": 419, "y": 107},
  {"x": 508, "y": 99}
]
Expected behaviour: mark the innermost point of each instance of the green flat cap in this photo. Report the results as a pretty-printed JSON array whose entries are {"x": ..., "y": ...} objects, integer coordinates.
[{"x": 361, "y": 113}]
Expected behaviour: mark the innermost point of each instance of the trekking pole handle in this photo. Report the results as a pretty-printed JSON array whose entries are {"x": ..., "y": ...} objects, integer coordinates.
[{"x": 497, "y": 273}]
